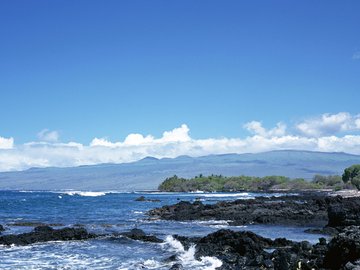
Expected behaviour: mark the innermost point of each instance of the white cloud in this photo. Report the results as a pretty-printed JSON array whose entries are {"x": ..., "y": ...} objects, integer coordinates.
[
  {"x": 48, "y": 135},
  {"x": 256, "y": 128},
  {"x": 6, "y": 143},
  {"x": 316, "y": 134},
  {"x": 138, "y": 139},
  {"x": 329, "y": 124},
  {"x": 102, "y": 142},
  {"x": 180, "y": 134}
]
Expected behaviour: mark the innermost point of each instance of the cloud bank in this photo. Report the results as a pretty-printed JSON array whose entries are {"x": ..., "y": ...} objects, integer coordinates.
[
  {"x": 328, "y": 124},
  {"x": 327, "y": 132},
  {"x": 6, "y": 143}
]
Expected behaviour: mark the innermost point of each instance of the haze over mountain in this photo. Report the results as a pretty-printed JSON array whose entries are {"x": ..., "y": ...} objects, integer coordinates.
[{"x": 148, "y": 173}]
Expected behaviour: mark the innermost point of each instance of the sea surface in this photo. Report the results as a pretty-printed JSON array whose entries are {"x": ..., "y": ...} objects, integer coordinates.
[{"x": 113, "y": 212}]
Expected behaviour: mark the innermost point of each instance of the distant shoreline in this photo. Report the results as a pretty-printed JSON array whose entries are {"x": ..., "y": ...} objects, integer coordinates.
[{"x": 273, "y": 183}]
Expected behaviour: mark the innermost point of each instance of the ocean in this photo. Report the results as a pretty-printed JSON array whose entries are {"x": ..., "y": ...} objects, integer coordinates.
[{"x": 113, "y": 212}]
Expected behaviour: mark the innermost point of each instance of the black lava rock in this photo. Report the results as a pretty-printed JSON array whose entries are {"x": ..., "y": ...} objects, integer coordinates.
[
  {"x": 343, "y": 248},
  {"x": 137, "y": 234},
  {"x": 45, "y": 234}
]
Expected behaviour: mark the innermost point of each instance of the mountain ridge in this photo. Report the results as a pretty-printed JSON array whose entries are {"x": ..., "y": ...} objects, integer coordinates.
[{"x": 149, "y": 172}]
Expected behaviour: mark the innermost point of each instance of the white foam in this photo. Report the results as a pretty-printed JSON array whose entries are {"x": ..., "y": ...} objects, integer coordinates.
[
  {"x": 147, "y": 264},
  {"x": 174, "y": 244},
  {"x": 221, "y": 195},
  {"x": 29, "y": 191},
  {"x": 208, "y": 222},
  {"x": 85, "y": 193},
  {"x": 211, "y": 263},
  {"x": 219, "y": 226},
  {"x": 151, "y": 264},
  {"x": 187, "y": 257}
]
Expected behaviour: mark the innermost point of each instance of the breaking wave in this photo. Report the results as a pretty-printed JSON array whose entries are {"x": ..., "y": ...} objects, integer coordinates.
[
  {"x": 187, "y": 257},
  {"x": 85, "y": 193}
]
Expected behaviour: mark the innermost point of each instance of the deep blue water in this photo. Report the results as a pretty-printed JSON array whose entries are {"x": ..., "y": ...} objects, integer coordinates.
[{"x": 102, "y": 212}]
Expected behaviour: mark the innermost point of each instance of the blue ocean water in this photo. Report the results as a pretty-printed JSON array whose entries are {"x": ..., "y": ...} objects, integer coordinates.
[{"x": 109, "y": 212}]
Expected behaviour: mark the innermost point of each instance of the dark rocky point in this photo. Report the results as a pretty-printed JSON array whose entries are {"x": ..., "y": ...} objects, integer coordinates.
[
  {"x": 289, "y": 210},
  {"x": 304, "y": 210},
  {"x": 45, "y": 234}
]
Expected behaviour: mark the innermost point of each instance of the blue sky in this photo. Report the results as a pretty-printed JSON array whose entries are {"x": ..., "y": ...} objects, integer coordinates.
[{"x": 106, "y": 69}]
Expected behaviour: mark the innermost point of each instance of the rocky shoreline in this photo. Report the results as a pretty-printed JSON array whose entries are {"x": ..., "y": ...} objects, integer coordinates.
[
  {"x": 338, "y": 215},
  {"x": 246, "y": 250},
  {"x": 236, "y": 250},
  {"x": 308, "y": 209}
]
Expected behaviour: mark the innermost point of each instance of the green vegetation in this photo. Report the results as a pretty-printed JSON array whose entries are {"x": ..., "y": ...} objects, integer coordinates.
[
  {"x": 352, "y": 175},
  {"x": 214, "y": 183}
]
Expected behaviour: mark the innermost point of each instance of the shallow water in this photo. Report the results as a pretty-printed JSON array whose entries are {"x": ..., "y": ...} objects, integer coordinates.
[{"x": 106, "y": 212}]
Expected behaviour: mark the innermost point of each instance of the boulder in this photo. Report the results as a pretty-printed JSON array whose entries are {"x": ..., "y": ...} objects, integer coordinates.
[
  {"x": 137, "y": 234},
  {"x": 343, "y": 248},
  {"x": 143, "y": 199},
  {"x": 344, "y": 212}
]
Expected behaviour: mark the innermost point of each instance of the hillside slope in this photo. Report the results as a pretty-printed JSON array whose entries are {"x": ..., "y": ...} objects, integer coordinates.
[{"x": 148, "y": 173}]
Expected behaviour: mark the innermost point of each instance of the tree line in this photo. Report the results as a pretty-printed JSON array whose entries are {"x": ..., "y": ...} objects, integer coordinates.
[{"x": 212, "y": 183}]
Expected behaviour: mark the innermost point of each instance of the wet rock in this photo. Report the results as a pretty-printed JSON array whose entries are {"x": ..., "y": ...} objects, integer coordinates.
[
  {"x": 1, "y": 228},
  {"x": 325, "y": 230},
  {"x": 143, "y": 199},
  {"x": 282, "y": 260},
  {"x": 239, "y": 250},
  {"x": 177, "y": 266},
  {"x": 344, "y": 212},
  {"x": 242, "y": 243},
  {"x": 43, "y": 229},
  {"x": 322, "y": 241},
  {"x": 268, "y": 263},
  {"x": 343, "y": 248},
  {"x": 172, "y": 258},
  {"x": 281, "y": 242},
  {"x": 45, "y": 234},
  {"x": 305, "y": 245},
  {"x": 349, "y": 266},
  {"x": 137, "y": 234}
]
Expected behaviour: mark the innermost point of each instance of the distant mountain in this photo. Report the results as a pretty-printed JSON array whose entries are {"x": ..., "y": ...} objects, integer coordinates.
[{"x": 148, "y": 173}]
